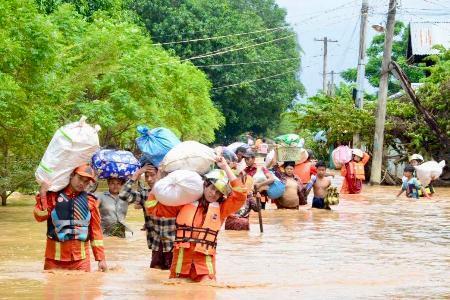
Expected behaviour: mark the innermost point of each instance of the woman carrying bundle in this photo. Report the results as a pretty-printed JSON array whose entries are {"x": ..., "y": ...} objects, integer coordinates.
[{"x": 198, "y": 223}]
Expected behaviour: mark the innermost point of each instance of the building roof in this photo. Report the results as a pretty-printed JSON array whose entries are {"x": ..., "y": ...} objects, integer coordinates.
[{"x": 424, "y": 35}]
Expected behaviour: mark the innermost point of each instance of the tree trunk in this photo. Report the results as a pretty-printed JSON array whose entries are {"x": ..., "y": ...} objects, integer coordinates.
[{"x": 4, "y": 196}]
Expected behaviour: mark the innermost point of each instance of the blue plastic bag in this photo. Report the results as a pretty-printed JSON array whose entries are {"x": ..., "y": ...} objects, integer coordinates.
[
  {"x": 114, "y": 164},
  {"x": 276, "y": 189},
  {"x": 155, "y": 143}
]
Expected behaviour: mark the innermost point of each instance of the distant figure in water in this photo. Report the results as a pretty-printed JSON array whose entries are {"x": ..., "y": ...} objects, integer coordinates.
[
  {"x": 416, "y": 160},
  {"x": 411, "y": 184},
  {"x": 320, "y": 184},
  {"x": 353, "y": 172}
]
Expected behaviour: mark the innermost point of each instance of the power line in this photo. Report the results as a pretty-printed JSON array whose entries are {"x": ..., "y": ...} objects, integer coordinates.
[
  {"x": 223, "y": 36},
  {"x": 254, "y": 80},
  {"x": 319, "y": 14},
  {"x": 247, "y": 63},
  {"x": 237, "y": 49}
]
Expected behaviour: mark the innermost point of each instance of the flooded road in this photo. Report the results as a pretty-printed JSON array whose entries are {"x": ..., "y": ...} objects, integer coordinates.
[{"x": 369, "y": 246}]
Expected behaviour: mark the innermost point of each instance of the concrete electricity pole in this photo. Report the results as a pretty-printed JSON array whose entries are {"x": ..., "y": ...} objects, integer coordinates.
[
  {"x": 378, "y": 140},
  {"x": 325, "y": 41},
  {"x": 361, "y": 70}
]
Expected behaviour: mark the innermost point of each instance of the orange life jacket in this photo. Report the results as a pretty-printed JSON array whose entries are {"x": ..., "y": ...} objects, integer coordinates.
[
  {"x": 205, "y": 238},
  {"x": 303, "y": 171},
  {"x": 358, "y": 170}
]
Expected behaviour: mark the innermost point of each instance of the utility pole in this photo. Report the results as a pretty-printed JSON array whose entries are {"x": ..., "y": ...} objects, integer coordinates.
[
  {"x": 378, "y": 139},
  {"x": 325, "y": 41},
  {"x": 361, "y": 70},
  {"x": 331, "y": 85}
]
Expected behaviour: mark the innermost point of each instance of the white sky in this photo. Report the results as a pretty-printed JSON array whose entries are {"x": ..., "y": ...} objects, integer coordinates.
[{"x": 339, "y": 20}]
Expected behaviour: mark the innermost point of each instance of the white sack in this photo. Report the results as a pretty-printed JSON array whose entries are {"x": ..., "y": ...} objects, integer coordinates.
[
  {"x": 178, "y": 188},
  {"x": 428, "y": 170},
  {"x": 71, "y": 146},
  {"x": 189, "y": 155}
]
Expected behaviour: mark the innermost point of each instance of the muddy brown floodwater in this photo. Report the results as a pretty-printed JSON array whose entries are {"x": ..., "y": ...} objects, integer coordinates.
[{"x": 371, "y": 245}]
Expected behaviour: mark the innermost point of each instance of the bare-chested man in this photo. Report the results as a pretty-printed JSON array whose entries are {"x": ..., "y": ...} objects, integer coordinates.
[{"x": 319, "y": 183}]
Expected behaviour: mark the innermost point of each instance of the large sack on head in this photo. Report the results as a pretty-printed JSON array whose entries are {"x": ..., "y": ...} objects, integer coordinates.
[
  {"x": 71, "y": 146},
  {"x": 229, "y": 155},
  {"x": 341, "y": 155},
  {"x": 428, "y": 170},
  {"x": 178, "y": 188},
  {"x": 189, "y": 155},
  {"x": 233, "y": 147},
  {"x": 156, "y": 143},
  {"x": 110, "y": 163}
]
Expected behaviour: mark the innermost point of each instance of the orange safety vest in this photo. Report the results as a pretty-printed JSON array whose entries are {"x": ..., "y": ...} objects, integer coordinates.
[
  {"x": 205, "y": 238},
  {"x": 358, "y": 170},
  {"x": 303, "y": 171}
]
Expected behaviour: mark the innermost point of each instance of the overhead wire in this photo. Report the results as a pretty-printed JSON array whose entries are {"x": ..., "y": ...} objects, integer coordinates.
[
  {"x": 247, "y": 63},
  {"x": 254, "y": 80}
]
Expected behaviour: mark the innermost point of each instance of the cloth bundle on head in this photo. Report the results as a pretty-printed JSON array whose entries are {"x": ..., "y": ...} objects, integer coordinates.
[
  {"x": 71, "y": 146},
  {"x": 341, "y": 155},
  {"x": 114, "y": 164}
]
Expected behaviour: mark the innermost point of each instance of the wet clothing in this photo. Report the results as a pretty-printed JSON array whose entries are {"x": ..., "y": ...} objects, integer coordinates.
[
  {"x": 65, "y": 242},
  {"x": 240, "y": 220},
  {"x": 187, "y": 262},
  {"x": 79, "y": 265},
  {"x": 160, "y": 259},
  {"x": 113, "y": 212},
  {"x": 352, "y": 184},
  {"x": 319, "y": 203},
  {"x": 160, "y": 231},
  {"x": 412, "y": 187}
]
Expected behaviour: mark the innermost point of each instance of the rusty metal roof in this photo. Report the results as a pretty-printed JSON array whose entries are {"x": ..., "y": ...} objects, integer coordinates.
[{"x": 424, "y": 35}]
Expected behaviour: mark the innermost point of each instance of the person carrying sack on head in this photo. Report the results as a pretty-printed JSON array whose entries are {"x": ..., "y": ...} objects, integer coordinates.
[
  {"x": 198, "y": 223},
  {"x": 73, "y": 222},
  {"x": 353, "y": 172}
]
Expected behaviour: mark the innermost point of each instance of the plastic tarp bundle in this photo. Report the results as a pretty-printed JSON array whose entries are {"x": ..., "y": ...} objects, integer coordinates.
[
  {"x": 189, "y": 155},
  {"x": 291, "y": 140},
  {"x": 114, "y": 164},
  {"x": 233, "y": 147},
  {"x": 156, "y": 143},
  {"x": 341, "y": 155},
  {"x": 71, "y": 146},
  {"x": 178, "y": 188},
  {"x": 429, "y": 170}
]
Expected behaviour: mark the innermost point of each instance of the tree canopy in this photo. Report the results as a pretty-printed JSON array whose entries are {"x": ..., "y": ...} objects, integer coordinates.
[
  {"x": 255, "y": 42},
  {"x": 56, "y": 67}
]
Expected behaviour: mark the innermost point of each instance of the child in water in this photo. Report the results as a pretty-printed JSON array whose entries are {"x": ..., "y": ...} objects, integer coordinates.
[
  {"x": 319, "y": 183},
  {"x": 411, "y": 185}
]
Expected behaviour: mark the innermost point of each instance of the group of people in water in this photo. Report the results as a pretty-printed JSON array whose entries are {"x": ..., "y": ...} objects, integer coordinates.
[{"x": 183, "y": 239}]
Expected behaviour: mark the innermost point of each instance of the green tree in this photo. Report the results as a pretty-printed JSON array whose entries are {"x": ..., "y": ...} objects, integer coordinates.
[
  {"x": 57, "y": 67},
  {"x": 247, "y": 106}
]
